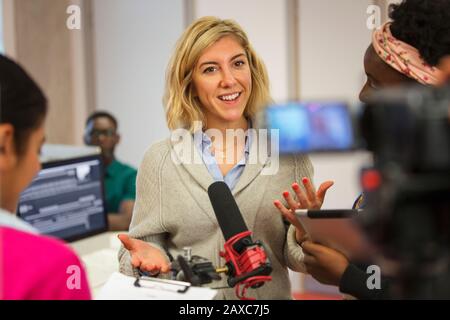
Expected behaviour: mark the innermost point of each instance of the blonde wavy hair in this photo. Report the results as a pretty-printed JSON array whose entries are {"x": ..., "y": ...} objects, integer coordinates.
[{"x": 182, "y": 107}]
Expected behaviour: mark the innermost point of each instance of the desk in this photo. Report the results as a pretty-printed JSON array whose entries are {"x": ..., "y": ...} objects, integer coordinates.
[{"x": 100, "y": 256}]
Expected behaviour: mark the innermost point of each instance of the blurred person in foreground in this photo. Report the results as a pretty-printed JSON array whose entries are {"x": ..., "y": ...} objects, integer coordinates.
[
  {"x": 32, "y": 266},
  {"x": 411, "y": 49}
]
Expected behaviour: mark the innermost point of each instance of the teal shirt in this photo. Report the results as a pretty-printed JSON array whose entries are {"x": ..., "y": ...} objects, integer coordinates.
[{"x": 120, "y": 185}]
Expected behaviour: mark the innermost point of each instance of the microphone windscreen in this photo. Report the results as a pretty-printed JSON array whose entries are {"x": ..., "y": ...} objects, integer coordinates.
[{"x": 227, "y": 212}]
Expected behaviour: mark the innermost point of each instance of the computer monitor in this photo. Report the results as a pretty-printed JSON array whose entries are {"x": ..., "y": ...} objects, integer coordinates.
[{"x": 66, "y": 199}]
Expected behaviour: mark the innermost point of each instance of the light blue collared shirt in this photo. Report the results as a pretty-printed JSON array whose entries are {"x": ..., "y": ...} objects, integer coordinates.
[
  {"x": 203, "y": 146},
  {"x": 12, "y": 221}
]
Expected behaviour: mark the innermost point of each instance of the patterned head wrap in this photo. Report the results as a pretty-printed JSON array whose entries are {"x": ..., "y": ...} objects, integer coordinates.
[{"x": 404, "y": 58}]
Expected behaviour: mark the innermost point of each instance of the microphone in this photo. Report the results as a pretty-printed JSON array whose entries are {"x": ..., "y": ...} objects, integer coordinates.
[
  {"x": 246, "y": 261},
  {"x": 228, "y": 214}
]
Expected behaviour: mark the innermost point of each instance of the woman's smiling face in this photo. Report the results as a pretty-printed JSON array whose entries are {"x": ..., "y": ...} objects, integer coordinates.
[{"x": 222, "y": 81}]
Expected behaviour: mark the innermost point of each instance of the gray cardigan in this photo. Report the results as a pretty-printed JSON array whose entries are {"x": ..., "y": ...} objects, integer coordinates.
[{"x": 172, "y": 210}]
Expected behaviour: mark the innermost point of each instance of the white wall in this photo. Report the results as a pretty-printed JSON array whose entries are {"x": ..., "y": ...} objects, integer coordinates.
[
  {"x": 133, "y": 42},
  {"x": 2, "y": 48},
  {"x": 9, "y": 27},
  {"x": 333, "y": 38}
]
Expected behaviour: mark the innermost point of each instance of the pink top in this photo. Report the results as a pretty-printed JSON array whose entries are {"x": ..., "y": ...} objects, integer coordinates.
[{"x": 36, "y": 267}]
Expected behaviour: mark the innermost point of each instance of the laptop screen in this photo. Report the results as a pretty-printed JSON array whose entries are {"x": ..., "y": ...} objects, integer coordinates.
[{"x": 66, "y": 199}]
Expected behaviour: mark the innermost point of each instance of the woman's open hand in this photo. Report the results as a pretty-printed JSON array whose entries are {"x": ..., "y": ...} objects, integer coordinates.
[
  {"x": 144, "y": 256},
  {"x": 305, "y": 200}
]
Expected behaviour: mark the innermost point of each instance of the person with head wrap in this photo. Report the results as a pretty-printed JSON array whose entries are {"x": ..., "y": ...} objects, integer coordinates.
[
  {"x": 413, "y": 48},
  {"x": 403, "y": 57},
  {"x": 32, "y": 266}
]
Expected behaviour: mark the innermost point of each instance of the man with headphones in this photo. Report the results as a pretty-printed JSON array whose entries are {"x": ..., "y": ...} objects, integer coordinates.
[{"x": 119, "y": 179}]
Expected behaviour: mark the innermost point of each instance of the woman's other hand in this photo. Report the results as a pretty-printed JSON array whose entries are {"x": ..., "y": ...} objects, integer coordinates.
[
  {"x": 309, "y": 199},
  {"x": 144, "y": 256},
  {"x": 305, "y": 200}
]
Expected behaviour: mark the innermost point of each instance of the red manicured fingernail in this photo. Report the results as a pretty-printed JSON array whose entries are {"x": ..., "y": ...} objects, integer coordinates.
[
  {"x": 276, "y": 203},
  {"x": 305, "y": 180},
  {"x": 295, "y": 186},
  {"x": 285, "y": 194}
]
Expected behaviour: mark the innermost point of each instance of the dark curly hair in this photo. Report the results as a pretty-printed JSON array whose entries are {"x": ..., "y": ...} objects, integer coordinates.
[
  {"x": 22, "y": 102},
  {"x": 425, "y": 25}
]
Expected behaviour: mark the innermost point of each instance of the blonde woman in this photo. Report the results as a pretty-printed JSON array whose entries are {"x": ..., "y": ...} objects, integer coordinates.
[{"x": 215, "y": 79}]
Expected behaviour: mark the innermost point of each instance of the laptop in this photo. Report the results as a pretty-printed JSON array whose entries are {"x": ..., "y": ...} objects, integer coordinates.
[{"x": 66, "y": 199}]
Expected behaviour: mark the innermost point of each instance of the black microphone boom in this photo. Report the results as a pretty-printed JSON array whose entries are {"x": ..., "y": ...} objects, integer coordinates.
[
  {"x": 228, "y": 214},
  {"x": 247, "y": 264}
]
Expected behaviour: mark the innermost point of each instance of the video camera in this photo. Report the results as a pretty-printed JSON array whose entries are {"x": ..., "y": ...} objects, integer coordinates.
[
  {"x": 408, "y": 210},
  {"x": 407, "y": 192}
]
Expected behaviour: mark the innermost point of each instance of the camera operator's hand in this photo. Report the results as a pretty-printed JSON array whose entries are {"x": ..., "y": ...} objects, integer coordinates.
[
  {"x": 310, "y": 200},
  {"x": 324, "y": 264},
  {"x": 144, "y": 256}
]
